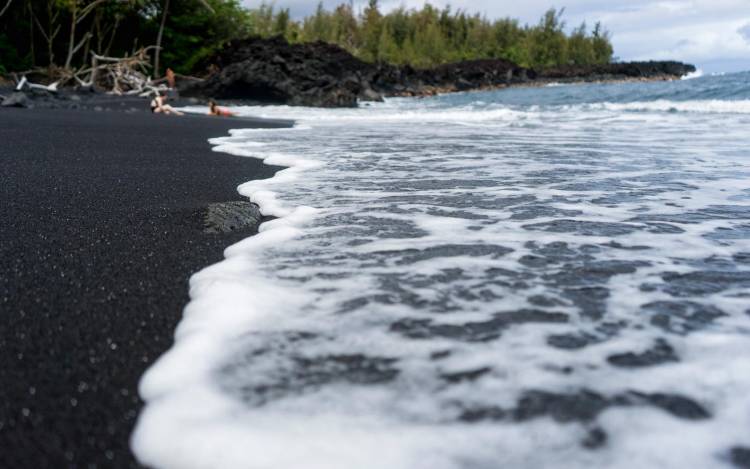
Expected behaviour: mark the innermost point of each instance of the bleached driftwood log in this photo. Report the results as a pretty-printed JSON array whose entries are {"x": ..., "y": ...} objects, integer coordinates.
[
  {"x": 127, "y": 75},
  {"x": 25, "y": 83},
  {"x": 120, "y": 75}
]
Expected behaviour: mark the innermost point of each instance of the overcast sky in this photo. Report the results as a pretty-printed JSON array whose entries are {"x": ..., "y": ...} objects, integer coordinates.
[{"x": 713, "y": 34}]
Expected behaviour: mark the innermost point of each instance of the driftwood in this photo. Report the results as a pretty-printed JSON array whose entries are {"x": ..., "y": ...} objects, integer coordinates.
[
  {"x": 76, "y": 17},
  {"x": 116, "y": 75},
  {"x": 120, "y": 75},
  {"x": 24, "y": 83}
]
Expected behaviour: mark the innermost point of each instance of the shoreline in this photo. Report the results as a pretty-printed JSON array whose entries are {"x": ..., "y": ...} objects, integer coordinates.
[
  {"x": 273, "y": 71},
  {"x": 71, "y": 98},
  {"x": 244, "y": 378},
  {"x": 213, "y": 320},
  {"x": 105, "y": 223},
  {"x": 539, "y": 83},
  {"x": 147, "y": 153}
]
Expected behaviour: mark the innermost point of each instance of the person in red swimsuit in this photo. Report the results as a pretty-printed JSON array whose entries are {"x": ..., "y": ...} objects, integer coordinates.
[{"x": 215, "y": 110}]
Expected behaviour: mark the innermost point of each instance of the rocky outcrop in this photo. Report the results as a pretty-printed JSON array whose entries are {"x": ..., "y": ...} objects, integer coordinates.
[
  {"x": 273, "y": 71},
  {"x": 325, "y": 75},
  {"x": 460, "y": 76},
  {"x": 617, "y": 71},
  {"x": 16, "y": 99}
]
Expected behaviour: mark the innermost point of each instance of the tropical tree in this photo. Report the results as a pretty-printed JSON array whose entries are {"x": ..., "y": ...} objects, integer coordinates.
[
  {"x": 371, "y": 31},
  {"x": 601, "y": 44},
  {"x": 64, "y": 32}
]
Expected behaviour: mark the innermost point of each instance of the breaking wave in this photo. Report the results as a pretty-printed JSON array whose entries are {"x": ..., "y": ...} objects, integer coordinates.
[{"x": 518, "y": 278}]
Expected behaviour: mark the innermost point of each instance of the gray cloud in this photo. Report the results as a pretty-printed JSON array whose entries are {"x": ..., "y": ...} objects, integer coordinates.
[{"x": 745, "y": 32}]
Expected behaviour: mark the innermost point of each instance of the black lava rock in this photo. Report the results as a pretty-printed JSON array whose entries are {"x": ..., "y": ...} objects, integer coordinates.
[
  {"x": 225, "y": 217},
  {"x": 270, "y": 70},
  {"x": 325, "y": 75},
  {"x": 16, "y": 99},
  {"x": 274, "y": 71},
  {"x": 623, "y": 70}
]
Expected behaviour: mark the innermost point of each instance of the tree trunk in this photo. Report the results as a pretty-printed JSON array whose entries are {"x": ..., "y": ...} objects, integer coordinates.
[
  {"x": 51, "y": 36},
  {"x": 71, "y": 42},
  {"x": 87, "y": 46},
  {"x": 79, "y": 16},
  {"x": 98, "y": 32},
  {"x": 112, "y": 36},
  {"x": 31, "y": 35},
  {"x": 7, "y": 5},
  {"x": 50, "y": 33},
  {"x": 157, "y": 73},
  {"x": 94, "y": 65}
]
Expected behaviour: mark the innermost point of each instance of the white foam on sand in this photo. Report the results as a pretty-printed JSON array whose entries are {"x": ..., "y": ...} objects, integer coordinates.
[
  {"x": 265, "y": 372},
  {"x": 183, "y": 401}
]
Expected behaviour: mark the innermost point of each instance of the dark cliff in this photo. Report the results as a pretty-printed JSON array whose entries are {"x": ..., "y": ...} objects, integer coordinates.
[
  {"x": 325, "y": 75},
  {"x": 273, "y": 71},
  {"x": 618, "y": 71}
]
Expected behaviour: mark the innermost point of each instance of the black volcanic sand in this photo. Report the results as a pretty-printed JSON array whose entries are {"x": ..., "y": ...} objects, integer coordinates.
[{"x": 101, "y": 229}]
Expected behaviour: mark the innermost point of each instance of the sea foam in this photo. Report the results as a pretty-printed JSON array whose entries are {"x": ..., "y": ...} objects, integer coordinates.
[{"x": 475, "y": 286}]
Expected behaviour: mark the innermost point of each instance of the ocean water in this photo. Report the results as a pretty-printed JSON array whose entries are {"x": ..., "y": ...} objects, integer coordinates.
[{"x": 523, "y": 278}]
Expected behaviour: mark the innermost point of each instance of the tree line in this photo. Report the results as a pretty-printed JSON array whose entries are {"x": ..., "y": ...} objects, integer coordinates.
[
  {"x": 61, "y": 34},
  {"x": 430, "y": 36}
]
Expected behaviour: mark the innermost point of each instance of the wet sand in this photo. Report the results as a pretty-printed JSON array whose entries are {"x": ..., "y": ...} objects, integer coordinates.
[{"x": 101, "y": 229}]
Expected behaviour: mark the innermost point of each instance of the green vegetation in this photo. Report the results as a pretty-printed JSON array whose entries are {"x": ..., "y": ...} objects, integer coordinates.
[
  {"x": 62, "y": 33},
  {"x": 432, "y": 36}
]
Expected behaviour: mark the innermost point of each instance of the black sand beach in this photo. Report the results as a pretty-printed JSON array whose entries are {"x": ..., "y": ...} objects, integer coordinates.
[{"x": 101, "y": 229}]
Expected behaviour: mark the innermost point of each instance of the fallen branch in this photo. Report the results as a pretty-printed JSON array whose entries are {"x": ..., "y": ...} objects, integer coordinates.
[
  {"x": 120, "y": 75},
  {"x": 25, "y": 83},
  {"x": 127, "y": 75},
  {"x": 5, "y": 8},
  {"x": 188, "y": 77}
]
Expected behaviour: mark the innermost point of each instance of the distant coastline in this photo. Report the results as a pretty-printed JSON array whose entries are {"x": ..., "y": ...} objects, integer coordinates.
[{"x": 272, "y": 71}]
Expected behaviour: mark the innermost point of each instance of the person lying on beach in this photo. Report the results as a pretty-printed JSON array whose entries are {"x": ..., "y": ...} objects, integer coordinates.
[
  {"x": 159, "y": 104},
  {"x": 215, "y": 110}
]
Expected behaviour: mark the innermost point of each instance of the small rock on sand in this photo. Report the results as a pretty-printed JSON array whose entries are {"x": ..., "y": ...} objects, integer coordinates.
[
  {"x": 16, "y": 99},
  {"x": 225, "y": 217}
]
